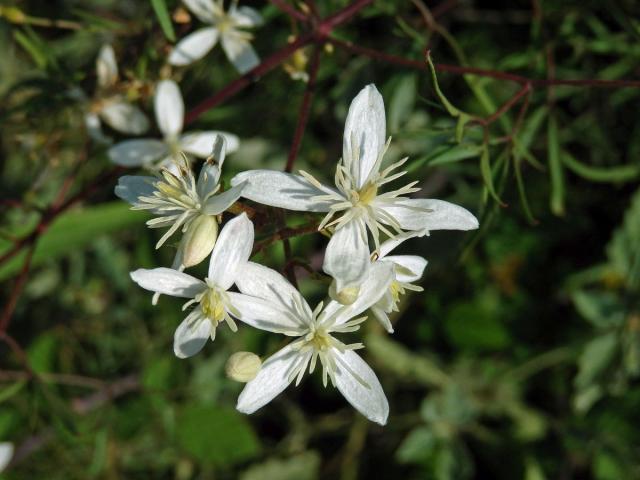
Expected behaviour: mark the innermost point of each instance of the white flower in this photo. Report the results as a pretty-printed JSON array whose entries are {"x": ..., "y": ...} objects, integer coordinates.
[
  {"x": 356, "y": 203},
  {"x": 6, "y": 454},
  {"x": 181, "y": 202},
  {"x": 111, "y": 106},
  {"x": 226, "y": 26},
  {"x": 169, "y": 109},
  {"x": 285, "y": 311},
  {"x": 213, "y": 302},
  {"x": 406, "y": 270}
]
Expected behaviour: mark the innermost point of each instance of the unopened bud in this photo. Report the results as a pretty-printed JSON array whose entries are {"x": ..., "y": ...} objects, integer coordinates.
[
  {"x": 346, "y": 296},
  {"x": 243, "y": 366},
  {"x": 198, "y": 240}
]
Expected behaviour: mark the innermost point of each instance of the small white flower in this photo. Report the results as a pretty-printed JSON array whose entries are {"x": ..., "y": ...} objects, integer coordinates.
[
  {"x": 225, "y": 26},
  {"x": 6, "y": 454},
  {"x": 147, "y": 152},
  {"x": 211, "y": 298},
  {"x": 110, "y": 105},
  {"x": 285, "y": 311},
  {"x": 181, "y": 202},
  {"x": 356, "y": 204}
]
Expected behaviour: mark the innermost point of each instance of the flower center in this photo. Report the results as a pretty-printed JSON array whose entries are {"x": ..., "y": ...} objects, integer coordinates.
[
  {"x": 212, "y": 304},
  {"x": 319, "y": 339}
]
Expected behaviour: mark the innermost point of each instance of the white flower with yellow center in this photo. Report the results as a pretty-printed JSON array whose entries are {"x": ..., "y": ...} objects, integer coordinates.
[
  {"x": 151, "y": 153},
  {"x": 181, "y": 202},
  {"x": 211, "y": 301},
  {"x": 356, "y": 204},
  {"x": 109, "y": 105},
  {"x": 225, "y": 26},
  {"x": 285, "y": 311}
]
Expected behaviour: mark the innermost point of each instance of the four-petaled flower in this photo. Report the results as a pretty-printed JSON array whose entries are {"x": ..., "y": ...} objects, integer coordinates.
[
  {"x": 179, "y": 201},
  {"x": 285, "y": 311},
  {"x": 109, "y": 104},
  {"x": 151, "y": 153},
  {"x": 356, "y": 203},
  {"x": 212, "y": 301},
  {"x": 226, "y": 26}
]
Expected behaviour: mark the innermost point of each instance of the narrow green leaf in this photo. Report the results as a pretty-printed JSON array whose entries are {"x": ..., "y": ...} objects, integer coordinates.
[
  {"x": 402, "y": 102},
  {"x": 31, "y": 47},
  {"x": 524, "y": 201},
  {"x": 446, "y": 154},
  {"x": 160, "y": 7},
  {"x": 555, "y": 168},
  {"x": 620, "y": 173},
  {"x": 487, "y": 174},
  {"x": 453, "y": 111}
]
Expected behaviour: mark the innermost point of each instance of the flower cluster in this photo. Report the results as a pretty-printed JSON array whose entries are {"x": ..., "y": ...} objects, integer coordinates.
[{"x": 365, "y": 220}]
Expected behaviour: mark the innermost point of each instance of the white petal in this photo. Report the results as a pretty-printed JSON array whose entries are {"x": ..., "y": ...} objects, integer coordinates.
[
  {"x": 382, "y": 317},
  {"x": 264, "y": 282},
  {"x": 347, "y": 256},
  {"x": 364, "y": 130},
  {"x": 265, "y": 315},
  {"x": 168, "y": 282},
  {"x": 408, "y": 268},
  {"x": 245, "y": 17},
  {"x": 232, "y": 249},
  {"x": 203, "y": 9},
  {"x": 190, "y": 338},
  {"x": 271, "y": 380},
  {"x": 135, "y": 153},
  {"x": 283, "y": 190},
  {"x": 169, "y": 108},
  {"x": 94, "y": 129},
  {"x": 239, "y": 51},
  {"x": 200, "y": 144},
  {"x": 368, "y": 399},
  {"x": 210, "y": 172},
  {"x": 6, "y": 454},
  {"x": 219, "y": 203},
  {"x": 131, "y": 187},
  {"x": 106, "y": 67},
  {"x": 394, "y": 242},
  {"x": 124, "y": 117},
  {"x": 194, "y": 46},
  {"x": 429, "y": 214},
  {"x": 371, "y": 290}
]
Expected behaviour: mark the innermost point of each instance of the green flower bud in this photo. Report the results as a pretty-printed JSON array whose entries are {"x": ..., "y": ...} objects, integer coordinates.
[{"x": 243, "y": 366}]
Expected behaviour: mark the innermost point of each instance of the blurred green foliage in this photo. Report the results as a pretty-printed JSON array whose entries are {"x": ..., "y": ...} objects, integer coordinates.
[{"x": 520, "y": 359}]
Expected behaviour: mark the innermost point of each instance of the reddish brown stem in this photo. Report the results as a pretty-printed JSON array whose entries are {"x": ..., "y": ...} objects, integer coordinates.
[
  {"x": 10, "y": 306},
  {"x": 305, "y": 107},
  {"x": 289, "y": 10}
]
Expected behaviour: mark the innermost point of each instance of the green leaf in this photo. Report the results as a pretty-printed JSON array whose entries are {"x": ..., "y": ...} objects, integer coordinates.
[
  {"x": 624, "y": 248},
  {"x": 555, "y": 168},
  {"x": 416, "y": 446},
  {"x": 615, "y": 174},
  {"x": 522, "y": 193},
  {"x": 32, "y": 46},
  {"x": 453, "y": 111},
  {"x": 304, "y": 466},
  {"x": 72, "y": 231},
  {"x": 402, "y": 102},
  {"x": 9, "y": 391},
  {"x": 601, "y": 309},
  {"x": 160, "y": 8},
  {"x": 444, "y": 154},
  {"x": 487, "y": 174},
  {"x": 216, "y": 436},
  {"x": 42, "y": 353},
  {"x": 595, "y": 358}
]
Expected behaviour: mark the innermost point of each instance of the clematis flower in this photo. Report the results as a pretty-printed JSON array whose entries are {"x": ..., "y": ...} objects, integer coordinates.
[
  {"x": 148, "y": 152},
  {"x": 109, "y": 105},
  {"x": 6, "y": 454},
  {"x": 181, "y": 202},
  {"x": 212, "y": 301},
  {"x": 285, "y": 311},
  {"x": 406, "y": 270},
  {"x": 226, "y": 27},
  {"x": 356, "y": 204}
]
